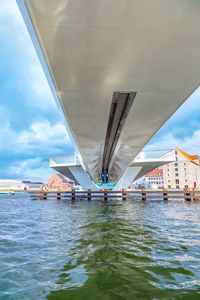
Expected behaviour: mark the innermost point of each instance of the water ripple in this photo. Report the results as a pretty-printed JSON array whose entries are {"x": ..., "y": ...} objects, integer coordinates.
[{"x": 97, "y": 250}]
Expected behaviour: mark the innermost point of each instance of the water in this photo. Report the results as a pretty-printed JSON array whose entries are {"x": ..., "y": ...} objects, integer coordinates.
[{"x": 96, "y": 250}]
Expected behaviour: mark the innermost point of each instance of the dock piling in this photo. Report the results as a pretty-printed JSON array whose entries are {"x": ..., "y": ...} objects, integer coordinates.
[
  {"x": 165, "y": 198},
  {"x": 73, "y": 194},
  {"x": 105, "y": 195},
  {"x": 187, "y": 194},
  {"x": 124, "y": 194},
  {"x": 143, "y": 194},
  {"x": 195, "y": 194},
  {"x": 89, "y": 194}
]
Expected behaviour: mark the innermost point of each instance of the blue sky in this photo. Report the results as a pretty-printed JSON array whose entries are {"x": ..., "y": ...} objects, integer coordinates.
[{"x": 31, "y": 129}]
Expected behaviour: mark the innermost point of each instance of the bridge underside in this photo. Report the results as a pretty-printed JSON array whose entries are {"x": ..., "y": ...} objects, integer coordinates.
[
  {"x": 91, "y": 49},
  {"x": 71, "y": 168}
]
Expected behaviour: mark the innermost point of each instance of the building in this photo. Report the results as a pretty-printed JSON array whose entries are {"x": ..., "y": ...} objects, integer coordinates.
[
  {"x": 155, "y": 178},
  {"x": 59, "y": 182},
  {"x": 32, "y": 186},
  {"x": 183, "y": 173},
  {"x": 19, "y": 185}
]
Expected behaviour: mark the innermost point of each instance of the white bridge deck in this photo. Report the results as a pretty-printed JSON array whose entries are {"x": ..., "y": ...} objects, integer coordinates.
[{"x": 90, "y": 49}]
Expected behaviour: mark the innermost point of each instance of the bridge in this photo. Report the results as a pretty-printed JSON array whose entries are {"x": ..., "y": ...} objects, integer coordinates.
[{"x": 117, "y": 70}]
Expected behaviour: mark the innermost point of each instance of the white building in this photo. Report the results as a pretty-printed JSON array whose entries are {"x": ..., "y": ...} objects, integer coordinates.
[
  {"x": 154, "y": 178},
  {"x": 19, "y": 185},
  {"x": 183, "y": 173},
  {"x": 32, "y": 186}
]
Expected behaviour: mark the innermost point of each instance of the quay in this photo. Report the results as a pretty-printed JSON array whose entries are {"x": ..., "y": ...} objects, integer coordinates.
[{"x": 144, "y": 195}]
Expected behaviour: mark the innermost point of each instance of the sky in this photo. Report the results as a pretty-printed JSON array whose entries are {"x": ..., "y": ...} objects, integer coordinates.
[{"x": 31, "y": 128}]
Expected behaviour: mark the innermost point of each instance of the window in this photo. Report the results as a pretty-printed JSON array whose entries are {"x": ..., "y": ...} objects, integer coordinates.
[
  {"x": 176, "y": 169},
  {"x": 184, "y": 169},
  {"x": 176, "y": 174},
  {"x": 184, "y": 164},
  {"x": 169, "y": 180},
  {"x": 176, "y": 158},
  {"x": 175, "y": 152},
  {"x": 185, "y": 180},
  {"x": 186, "y": 186},
  {"x": 176, "y": 164},
  {"x": 185, "y": 174},
  {"x": 177, "y": 181},
  {"x": 169, "y": 186},
  {"x": 177, "y": 186},
  {"x": 168, "y": 170},
  {"x": 168, "y": 174}
]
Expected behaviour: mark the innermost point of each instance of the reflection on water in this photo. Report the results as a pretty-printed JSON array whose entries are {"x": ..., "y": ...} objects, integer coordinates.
[{"x": 97, "y": 250}]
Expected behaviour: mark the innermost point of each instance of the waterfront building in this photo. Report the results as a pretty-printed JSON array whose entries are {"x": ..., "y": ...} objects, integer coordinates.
[
  {"x": 183, "y": 173},
  {"x": 59, "y": 182},
  {"x": 32, "y": 186},
  {"x": 19, "y": 185},
  {"x": 154, "y": 178}
]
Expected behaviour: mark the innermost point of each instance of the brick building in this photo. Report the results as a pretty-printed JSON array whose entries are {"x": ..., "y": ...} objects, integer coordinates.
[{"x": 58, "y": 182}]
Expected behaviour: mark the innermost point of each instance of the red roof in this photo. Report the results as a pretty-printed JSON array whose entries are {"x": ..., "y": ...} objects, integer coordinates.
[
  {"x": 194, "y": 156},
  {"x": 190, "y": 157},
  {"x": 155, "y": 172}
]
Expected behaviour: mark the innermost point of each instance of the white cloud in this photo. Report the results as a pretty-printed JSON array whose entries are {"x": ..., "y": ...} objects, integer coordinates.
[
  {"x": 24, "y": 171},
  {"x": 35, "y": 145},
  {"x": 9, "y": 10},
  {"x": 38, "y": 83},
  {"x": 44, "y": 134},
  {"x": 9, "y": 7},
  {"x": 30, "y": 72},
  {"x": 189, "y": 144},
  {"x": 40, "y": 136}
]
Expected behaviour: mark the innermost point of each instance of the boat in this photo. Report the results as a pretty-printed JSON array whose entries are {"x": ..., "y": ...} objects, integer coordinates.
[{"x": 12, "y": 193}]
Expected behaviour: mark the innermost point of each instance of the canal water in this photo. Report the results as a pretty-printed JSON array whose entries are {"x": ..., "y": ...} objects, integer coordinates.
[{"x": 96, "y": 250}]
